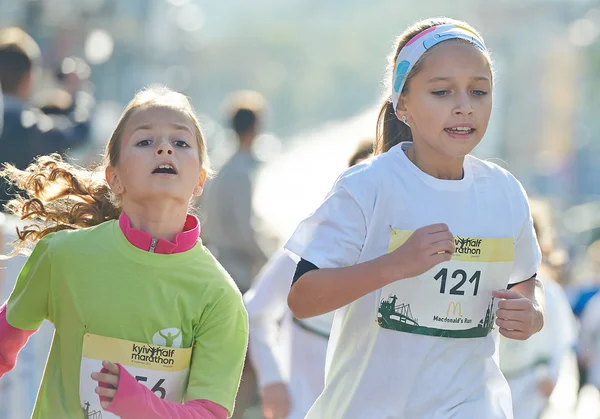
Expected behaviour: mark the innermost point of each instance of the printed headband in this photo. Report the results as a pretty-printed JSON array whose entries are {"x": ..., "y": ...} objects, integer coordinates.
[{"x": 416, "y": 47}]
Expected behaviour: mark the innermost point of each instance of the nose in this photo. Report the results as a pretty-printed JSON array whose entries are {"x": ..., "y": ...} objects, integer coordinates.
[
  {"x": 463, "y": 104},
  {"x": 164, "y": 147}
]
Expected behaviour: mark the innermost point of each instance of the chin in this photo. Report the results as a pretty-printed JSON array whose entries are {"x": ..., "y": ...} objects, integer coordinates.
[
  {"x": 461, "y": 150},
  {"x": 163, "y": 197}
]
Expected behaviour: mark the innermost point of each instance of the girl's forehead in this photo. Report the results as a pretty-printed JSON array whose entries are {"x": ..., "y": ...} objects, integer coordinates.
[
  {"x": 451, "y": 58},
  {"x": 155, "y": 114}
]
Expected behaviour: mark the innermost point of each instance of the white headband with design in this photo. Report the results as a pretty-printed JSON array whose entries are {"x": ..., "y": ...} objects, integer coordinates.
[{"x": 416, "y": 47}]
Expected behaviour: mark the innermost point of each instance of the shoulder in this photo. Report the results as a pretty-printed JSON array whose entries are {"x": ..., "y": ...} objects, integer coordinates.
[
  {"x": 497, "y": 175},
  {"x": 79, "y": 239},
  {"x": 365, "y": 178},
  {"x": 220, "y": 282}
]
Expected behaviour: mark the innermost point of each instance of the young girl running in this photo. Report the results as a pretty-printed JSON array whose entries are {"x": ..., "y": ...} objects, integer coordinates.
[
  {"x": 145, "y": 317},
  {"x": 417, "y": 246}
]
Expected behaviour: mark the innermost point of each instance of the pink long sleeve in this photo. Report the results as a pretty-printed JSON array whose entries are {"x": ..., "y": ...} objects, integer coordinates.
[
  {"x": 133, "y": 400},
  {"x": 11, "y": 342}
]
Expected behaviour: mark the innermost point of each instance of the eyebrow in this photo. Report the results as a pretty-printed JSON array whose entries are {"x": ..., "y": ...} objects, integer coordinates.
[
  {"x": 173, "y": 124},
  {"x": 477, "y": 78}
]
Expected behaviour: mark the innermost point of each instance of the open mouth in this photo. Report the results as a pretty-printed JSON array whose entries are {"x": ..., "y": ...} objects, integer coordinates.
[
  {"x": 165, "y": 169},
  {"x": 460, "y": 130}
]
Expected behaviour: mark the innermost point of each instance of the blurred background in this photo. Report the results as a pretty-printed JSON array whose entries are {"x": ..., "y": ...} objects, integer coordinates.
[{"x": 319, "y": 65}]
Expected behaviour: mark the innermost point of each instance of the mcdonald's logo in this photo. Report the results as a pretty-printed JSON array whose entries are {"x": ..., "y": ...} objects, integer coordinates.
[{"x": 454, "y": 307}]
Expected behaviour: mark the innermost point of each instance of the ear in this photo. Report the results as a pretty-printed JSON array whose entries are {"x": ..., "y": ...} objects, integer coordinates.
[
  {"x": 112, "y": 178},
  {"x": 402, "y": 110},
  {"x": 200, "y": 186}
]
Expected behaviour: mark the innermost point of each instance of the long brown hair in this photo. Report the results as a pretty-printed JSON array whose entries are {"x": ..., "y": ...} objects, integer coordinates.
[
  {"x": 61, "y": 196},
  {"x": 390, "y": 130}
]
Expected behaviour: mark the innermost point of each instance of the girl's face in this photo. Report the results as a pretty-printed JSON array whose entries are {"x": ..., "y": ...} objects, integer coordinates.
[
  {"x": 449, "y": 101},
  {"x": 159, "y": 158}
]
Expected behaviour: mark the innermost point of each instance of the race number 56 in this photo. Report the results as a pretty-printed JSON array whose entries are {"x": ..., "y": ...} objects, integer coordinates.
[{"x": 160, "y": 391}]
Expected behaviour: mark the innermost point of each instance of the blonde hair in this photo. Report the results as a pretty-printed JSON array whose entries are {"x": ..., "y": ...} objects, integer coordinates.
[
  {"x": 390, "y": 130},
  {"x": 66, "y": 197}
]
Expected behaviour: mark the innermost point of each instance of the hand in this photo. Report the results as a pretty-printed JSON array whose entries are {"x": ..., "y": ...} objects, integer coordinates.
[
  {"x": 275, "y": 401},
  {"x": 546, "y": 386},
  {"x": 517, "y": 317},
  {"x": 425, "y": 248},
  {"x": 108, "y": 382}
]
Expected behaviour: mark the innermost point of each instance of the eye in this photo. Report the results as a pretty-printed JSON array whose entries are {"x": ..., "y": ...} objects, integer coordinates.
[
  {"x": 479, "y": 92},
  {"x": 181, "y": 143},
  {"x": 144, "y": 143},
  {"x": 441, "y": 92}
]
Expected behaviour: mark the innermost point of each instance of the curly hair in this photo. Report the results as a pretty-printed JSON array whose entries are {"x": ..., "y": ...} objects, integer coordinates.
[{"x": 58, "y": 195}]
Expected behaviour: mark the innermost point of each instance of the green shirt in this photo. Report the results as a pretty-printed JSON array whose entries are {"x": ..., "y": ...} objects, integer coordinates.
[{"x": 94, "y": 281}]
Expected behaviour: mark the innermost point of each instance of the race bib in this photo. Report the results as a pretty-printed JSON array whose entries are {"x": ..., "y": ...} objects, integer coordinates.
[
  {"x": 453, "y": 299},
  {"x": 163, "y": 370}
]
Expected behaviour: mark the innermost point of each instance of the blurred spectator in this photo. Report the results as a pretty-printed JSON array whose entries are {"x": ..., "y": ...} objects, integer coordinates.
[
  {"x": 590, "y": 325},
  {"x": 230, "y": 232},
  {"x": 27, "y": 131},
  {"x": 542, "y": 370}
]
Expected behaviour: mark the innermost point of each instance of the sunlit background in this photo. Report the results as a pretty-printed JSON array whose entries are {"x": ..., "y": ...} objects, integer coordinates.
[{"x": 320, "y": 65}]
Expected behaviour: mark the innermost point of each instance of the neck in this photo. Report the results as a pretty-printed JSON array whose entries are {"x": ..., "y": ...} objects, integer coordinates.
[
  {"x": 434, "y": 163},
  {"x": 161, "y": 222},
  {"x": 246, "y": 143}
]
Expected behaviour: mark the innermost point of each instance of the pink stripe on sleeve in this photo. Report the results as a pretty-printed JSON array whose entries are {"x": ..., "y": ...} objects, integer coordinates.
[
  {"x": 11, "y": 342},
  {"x": 133, "y": 400}
]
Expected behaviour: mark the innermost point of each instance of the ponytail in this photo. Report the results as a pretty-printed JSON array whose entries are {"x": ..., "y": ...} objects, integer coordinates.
[
  {"x": 390, "y": 130},
  {"x": 58, "y": 196}
]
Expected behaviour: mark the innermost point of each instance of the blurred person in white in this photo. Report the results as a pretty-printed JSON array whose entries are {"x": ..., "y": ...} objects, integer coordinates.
[
  {"x": 18, "y": 390},
  {"x": 542, "y": 371},
  {"x": 227, "y": 205},
  {"x": 288, "y": 354},
  {"x": 416, "y": 247},
  {"x": 589, "y": 350}
]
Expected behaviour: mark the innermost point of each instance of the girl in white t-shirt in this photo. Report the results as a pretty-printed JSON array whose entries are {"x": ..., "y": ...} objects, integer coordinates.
[{"x": 415, "y": 248}]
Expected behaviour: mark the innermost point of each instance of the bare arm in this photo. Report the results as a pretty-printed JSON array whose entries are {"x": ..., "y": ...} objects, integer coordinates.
[
  {"x": 323, "y": 290},
  {"x": 332, "y": 288}
]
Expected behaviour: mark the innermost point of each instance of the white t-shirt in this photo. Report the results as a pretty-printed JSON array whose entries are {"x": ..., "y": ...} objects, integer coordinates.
[
  {"x": 288, "y": 353},
  {"x": 590, "y": 338},
  {"x": 544, "y": 355},
  {"x": 374, "y": 370}
]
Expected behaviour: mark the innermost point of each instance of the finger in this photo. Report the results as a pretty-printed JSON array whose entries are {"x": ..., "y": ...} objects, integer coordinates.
[
  {"x": 441, "y": 236},
  {"x": 513, "y": 334},
  {"x": 105, "y": 405},
  {"x": 106, "y": 392},
  {"x": 446, "y": 246},
  {"x": 507, "y": 314},
  {"x": 510, "y": 324},
  {"x": 113, "y": 380},
  {"x": 515, "y": 305},
  {"x": 507, "y": 294},
  {"x": 436, "y": 228},
  {"x": 502, "y": 313},
  {"x": 112, "y": 368},
  {"x": 440, "y": 258}
]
